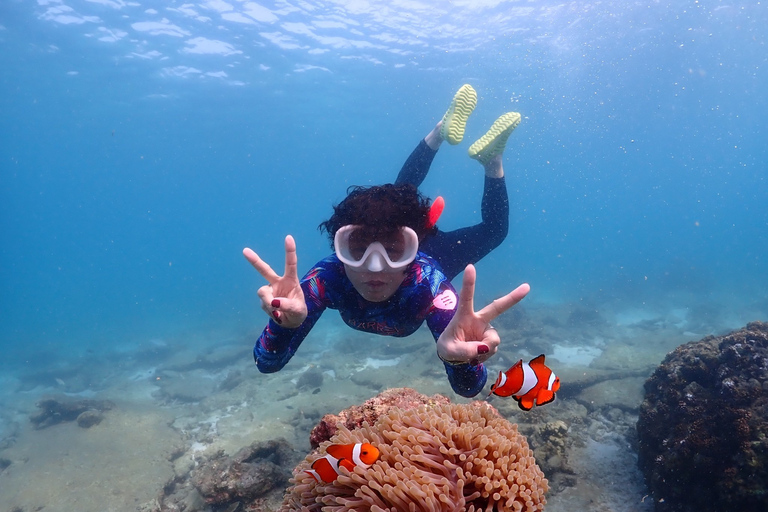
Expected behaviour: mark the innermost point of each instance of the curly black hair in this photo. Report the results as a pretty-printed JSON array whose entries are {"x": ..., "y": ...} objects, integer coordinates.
[{"x": 382, "y": 208}]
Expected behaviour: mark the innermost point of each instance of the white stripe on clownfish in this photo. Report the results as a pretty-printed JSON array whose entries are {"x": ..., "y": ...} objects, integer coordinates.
[
  {"x": 529, "y": 380},
  {"x": 552, "y": 379},
  {"x": 356, "y": 456},
  {"x": 502, "y": 380}
]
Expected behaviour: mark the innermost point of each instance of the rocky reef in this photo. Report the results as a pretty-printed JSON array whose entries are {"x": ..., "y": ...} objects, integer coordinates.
[
  {"x": 54, "y": 410},
  {"x": 246, "y": 476},
  {"x": 251, "y": 480},
  {"x": 703, "y": 426}
]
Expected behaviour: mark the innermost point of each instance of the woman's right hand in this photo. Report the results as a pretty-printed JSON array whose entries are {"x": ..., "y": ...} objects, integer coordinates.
[{"x": 282, "y": 298}]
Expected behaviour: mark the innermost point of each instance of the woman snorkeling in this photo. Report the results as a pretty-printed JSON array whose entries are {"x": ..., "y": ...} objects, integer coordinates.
[{"x": 387, "y": 275}]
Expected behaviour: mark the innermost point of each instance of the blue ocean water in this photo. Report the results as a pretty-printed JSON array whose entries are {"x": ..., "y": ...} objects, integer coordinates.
[{"x": 144, "y": 144}]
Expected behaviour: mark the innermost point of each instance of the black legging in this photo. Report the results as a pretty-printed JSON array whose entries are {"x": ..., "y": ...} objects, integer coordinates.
[{"x": 454, "y": 250}]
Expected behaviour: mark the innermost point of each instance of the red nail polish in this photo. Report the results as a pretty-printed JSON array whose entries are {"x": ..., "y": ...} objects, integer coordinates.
[
  {"x": 275, "y": 303},
  {"x": 483, "y": 349}
]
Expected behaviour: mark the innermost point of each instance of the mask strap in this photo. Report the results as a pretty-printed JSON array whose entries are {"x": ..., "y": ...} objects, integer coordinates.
[{"x": 435, "y": 211}]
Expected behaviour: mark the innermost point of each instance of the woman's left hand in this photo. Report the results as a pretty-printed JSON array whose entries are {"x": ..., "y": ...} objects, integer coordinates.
[{"x": 469, "y": 337}]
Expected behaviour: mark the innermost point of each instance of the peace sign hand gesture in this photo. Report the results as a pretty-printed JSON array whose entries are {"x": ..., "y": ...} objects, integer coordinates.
[
  {"x": 282, "y": 298},
  {"x": 469, "y": 337}
]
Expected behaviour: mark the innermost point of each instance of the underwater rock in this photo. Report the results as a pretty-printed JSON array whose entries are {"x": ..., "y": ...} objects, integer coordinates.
[
  {"x": 553, "y": 443},
  {"x": 246, "y": 476},
  {"x": 89, "y": 418},
  {"x": 310, "y": 379},
  {"x": 375, "y": 380},
  {"x": 58, "y": 410},
  {"x": 703, "y": 426},
  {"x": 252, "y": 480},
  {"x": 353, "y": 417}
]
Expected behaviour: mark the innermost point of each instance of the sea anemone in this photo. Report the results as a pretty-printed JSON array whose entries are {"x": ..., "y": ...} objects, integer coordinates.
[{"x": 446, "y": 457}]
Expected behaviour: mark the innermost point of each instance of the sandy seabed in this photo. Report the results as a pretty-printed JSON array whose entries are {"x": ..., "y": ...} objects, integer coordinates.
[{"x": 177, "y": 403}]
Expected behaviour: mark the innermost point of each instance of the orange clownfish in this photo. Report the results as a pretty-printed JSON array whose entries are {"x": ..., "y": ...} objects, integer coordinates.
[
  {"x": 528, "y": 382},
  {"x": 326, "y": 469}
]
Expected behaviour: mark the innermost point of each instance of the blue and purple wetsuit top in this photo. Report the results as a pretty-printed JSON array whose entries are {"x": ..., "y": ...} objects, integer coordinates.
[{"x": 425, "y": 294}]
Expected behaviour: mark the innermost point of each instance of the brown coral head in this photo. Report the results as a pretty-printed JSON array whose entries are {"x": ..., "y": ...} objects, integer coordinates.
[{"x": 451, "y": 457}]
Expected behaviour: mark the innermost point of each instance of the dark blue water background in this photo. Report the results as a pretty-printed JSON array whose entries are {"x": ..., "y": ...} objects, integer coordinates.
[{"x": 637, "y": 177}]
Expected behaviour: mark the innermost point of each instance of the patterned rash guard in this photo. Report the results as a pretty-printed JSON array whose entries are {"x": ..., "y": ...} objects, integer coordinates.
[{"x": 418, "y": 298}]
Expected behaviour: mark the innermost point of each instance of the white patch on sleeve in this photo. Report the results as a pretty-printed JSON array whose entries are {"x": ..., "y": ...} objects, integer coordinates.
[{"x": 446, "y": 300}]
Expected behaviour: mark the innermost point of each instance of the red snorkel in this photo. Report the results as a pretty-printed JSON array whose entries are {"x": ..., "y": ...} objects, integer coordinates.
[{"x": 435, "y": 211}]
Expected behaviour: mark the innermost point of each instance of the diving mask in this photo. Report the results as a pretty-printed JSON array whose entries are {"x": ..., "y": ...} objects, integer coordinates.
[{"x": 360, "y": 248}]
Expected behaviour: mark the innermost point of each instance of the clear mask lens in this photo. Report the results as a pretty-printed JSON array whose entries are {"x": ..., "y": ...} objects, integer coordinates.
[{"x": 358, "y": 247}]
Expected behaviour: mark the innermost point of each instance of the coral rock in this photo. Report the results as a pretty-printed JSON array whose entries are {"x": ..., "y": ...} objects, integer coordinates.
[
  {"x": 58, "y": 410},
  {"x": 90, "y": 418},
  {"x": 249, "y": 474},
  {"x": 353, "y": 417},
  {"x": 703, "y": 426}
]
